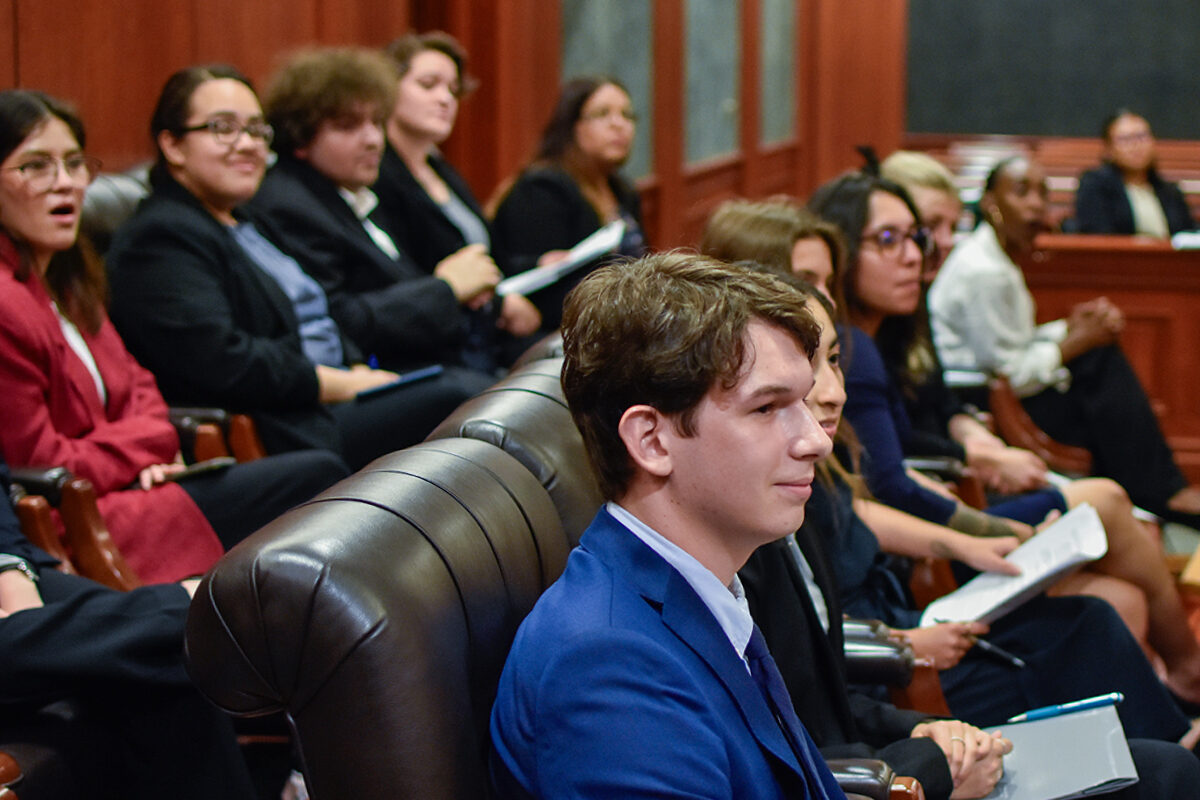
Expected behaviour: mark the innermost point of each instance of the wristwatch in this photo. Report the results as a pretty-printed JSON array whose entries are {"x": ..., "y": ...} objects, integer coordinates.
[{"x": 8, "y": 562}]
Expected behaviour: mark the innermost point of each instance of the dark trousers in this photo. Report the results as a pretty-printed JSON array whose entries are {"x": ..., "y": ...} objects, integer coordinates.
[
  {"x": 137, "y": 728},
  {"x": 1165, "y": 772},
  {"x": 394, "y": 419},
  {"x": 241, "y": 499},
  {"x": 1107, "y": 411},
  {"x": 1074, "y": 647}
]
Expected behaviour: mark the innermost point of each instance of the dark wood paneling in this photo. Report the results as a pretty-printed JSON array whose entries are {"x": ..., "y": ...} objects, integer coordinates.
[
  {"x": 371, "y": 23},
  {"x": 253, "y": 36},
  {"x": 110, "y": 63},
  {"x": 859, "y": 82},
  {"x": 8, "y": 43}
]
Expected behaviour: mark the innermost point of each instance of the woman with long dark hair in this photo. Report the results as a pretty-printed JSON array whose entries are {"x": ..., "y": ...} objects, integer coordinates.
[
  {"x": 572, "y": 187},
  {"x": 882, "y": 287},
  {"x": 74, "y": 395}
]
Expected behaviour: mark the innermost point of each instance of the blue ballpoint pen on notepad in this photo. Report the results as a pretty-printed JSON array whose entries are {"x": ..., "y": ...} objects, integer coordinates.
[{"x": 1110, "y": 699}]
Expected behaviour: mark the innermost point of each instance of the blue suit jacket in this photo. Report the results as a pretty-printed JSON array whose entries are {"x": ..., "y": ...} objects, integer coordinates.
[{"x": 620, "y": 683}]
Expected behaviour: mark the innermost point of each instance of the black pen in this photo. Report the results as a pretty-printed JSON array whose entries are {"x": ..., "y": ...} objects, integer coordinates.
[
  {"x": 991, "y": 649},
  {"x": 998, "y": 652}
]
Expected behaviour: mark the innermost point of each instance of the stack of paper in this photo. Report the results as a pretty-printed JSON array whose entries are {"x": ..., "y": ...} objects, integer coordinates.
[{"x": 1074, "y": 539}]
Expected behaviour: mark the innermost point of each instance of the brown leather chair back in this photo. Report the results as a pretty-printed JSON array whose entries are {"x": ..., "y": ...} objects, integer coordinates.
[
  {"x": 378, "y": 617},
  {"x": 526, "y": 415}
]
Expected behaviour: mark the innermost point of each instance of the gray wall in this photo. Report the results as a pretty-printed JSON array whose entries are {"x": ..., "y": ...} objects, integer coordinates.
[{"x": 1052, "y": 67}]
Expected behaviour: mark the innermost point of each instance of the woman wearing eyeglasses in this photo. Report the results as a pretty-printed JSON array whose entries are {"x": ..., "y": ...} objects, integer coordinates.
[
  {"x": 1125, "y": 194},
  {"x": 74, "y": 397},
  {"x": 887, "y": 249},
  {"x": 571, "y": 189},
  {"x": 222, "y": 315}
]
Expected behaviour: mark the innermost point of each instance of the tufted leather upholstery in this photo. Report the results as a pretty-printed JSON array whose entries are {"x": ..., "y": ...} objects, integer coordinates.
[
  {"x": 110, "y": 200},
  {"x": 527, "y": 416},
  {"x": 378, "y": 616}
]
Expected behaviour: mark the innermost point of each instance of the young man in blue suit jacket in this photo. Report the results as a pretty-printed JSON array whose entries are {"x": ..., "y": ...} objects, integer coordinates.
[{"x": 640, "y": 672}]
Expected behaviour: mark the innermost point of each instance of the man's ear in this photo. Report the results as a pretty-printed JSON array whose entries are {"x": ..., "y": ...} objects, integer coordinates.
[{"x": 646, "y": 434}]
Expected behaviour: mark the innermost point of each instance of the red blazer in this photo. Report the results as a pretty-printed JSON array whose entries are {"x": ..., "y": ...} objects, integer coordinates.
[{"x": 52, "y": 416}]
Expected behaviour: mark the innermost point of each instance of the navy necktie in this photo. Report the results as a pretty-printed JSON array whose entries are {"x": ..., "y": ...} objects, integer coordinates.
[{"x": 770, "y": 683}]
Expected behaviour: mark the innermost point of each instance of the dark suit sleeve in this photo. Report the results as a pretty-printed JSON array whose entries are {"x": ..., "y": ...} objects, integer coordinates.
[
  {"x": 173, "y": 303},
  {"x": 1175, "y": 207},
  {"x": 407, "y": 318},
  {"x": 542, "y": 211}
]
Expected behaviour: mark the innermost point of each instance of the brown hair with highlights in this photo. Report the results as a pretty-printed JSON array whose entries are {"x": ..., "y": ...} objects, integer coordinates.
[{"x": 662, "y": 331}]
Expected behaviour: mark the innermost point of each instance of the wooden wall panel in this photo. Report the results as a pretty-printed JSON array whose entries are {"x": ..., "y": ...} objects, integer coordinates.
[
  {"x": 110, "y": 64},
  {"x": 252, "y": 35},
  {"x": 372, "y": 23},
  {"x": 8, "y": 43},
  {"x": 859, "y": 89}
]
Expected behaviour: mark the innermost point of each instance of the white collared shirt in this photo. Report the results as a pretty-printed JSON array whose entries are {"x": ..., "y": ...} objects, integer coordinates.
[
  {"x": 726, "y": 603},
  {"x": 362, "y": 203}
]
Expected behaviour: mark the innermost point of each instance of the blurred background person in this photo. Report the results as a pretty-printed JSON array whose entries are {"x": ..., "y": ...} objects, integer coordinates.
[
  {"x": 424, "y": 204},
  {"x": 1125, "y": 194},
  {"x": 572, "y": 187}
]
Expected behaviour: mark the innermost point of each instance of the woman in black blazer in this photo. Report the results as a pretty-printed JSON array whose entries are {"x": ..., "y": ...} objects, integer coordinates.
[
  {"x": 424, "y": 204},
  {"x": 572, "y": 188},
  {"x": 223, "y": 316}
]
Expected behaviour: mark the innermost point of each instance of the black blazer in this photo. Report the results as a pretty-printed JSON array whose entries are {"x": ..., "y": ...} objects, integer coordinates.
[
  {"x": 844, "y": 724},
  {"x": 215, "y": 330},
  {"x": 1101, "y": 205},
  {"x": 545, "y": 210},
  {"x": 389, "y": 308},
  {"x": 412, "y": 218}
]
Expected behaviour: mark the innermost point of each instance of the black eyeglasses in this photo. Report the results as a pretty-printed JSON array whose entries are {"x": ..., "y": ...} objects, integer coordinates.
[
  {"x": 227, "y": 130},
  {"x": 40, "y": 172},
  {"x": 890, "y": 241}
]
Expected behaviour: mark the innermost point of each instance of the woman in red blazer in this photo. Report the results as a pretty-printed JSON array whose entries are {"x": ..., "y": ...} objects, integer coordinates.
[{"x": 74, "y": 397}]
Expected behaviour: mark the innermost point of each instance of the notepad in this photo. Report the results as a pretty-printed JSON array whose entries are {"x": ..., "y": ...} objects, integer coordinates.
[
  {"x": 604, "y": 241},
  {"x": 1073, "y": 755},
  {"x": 1074, "y": 539}
]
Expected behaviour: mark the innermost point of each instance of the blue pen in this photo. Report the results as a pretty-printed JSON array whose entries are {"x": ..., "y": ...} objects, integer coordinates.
[{"x": 1110, "y": 699}]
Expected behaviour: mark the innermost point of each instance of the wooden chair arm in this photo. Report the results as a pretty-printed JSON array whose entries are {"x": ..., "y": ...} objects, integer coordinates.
[
  {"x": 243, "y": 439},
  {"x": 93, "y": 551},
  {"x": 923, "y": 693},
  {"x": 931, "y": 578},
  {"x": 905, "y": 787},
  {"x": 37, "y": 523},
  {"x": 1014, "y": 425},
  {"x": 10, "y": 773}
]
